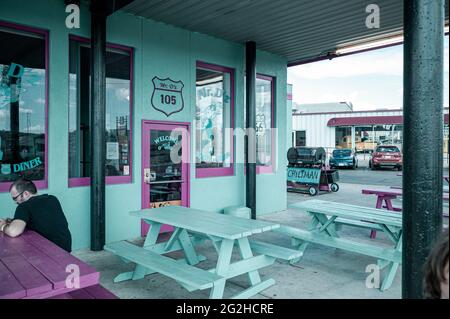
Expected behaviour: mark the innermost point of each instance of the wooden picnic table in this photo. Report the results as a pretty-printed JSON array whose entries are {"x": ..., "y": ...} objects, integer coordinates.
[
  {"x": 32, "y": 267},
  {"x": 193, "y": 226},
  {"x": 327, "y": 216},
  {"x": 385, "y": 197}
]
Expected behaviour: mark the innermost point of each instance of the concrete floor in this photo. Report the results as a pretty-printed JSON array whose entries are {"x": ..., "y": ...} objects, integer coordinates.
[{"x": 323, "y": 272}]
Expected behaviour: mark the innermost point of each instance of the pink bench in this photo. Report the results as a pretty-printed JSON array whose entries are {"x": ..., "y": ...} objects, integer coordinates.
[
  {"x": 31, "y": 267},
  {"x": 92, "y": 292}
]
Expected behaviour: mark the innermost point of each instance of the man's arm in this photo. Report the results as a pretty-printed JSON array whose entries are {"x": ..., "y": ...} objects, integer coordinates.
[{"x": 14, "y": 228}]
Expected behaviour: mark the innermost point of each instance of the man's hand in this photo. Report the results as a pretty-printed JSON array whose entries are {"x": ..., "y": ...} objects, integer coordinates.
[
  {"x": 15, "y": 227},
  {"x": 5, "y": 221},
  {"x": 2, "y": 224}
]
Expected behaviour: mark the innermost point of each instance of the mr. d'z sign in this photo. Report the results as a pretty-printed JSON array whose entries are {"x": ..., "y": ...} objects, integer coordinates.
[{"x": 167, "y": 96}]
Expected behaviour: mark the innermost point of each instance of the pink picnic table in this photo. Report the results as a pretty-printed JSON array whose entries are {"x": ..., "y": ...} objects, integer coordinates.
[
  {"x": 384, "y": 200},
  {"x": 32, "y": 267},
  {"x": 385, "y": 197}
]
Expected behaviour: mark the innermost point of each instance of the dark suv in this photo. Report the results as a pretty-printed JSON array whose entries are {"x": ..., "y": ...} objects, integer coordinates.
[{"x": 386, "y": 155}]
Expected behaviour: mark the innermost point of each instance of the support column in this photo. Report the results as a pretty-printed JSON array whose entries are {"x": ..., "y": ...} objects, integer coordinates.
[
  {"x": 423, "y": 120},
  {"x": 250, "y": 138},
  {"x": 353, "y": 139},
  {"x": 98, "y": 126}
]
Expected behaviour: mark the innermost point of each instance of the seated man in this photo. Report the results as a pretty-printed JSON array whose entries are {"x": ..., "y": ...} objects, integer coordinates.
[{"x": 40, "y": 213}]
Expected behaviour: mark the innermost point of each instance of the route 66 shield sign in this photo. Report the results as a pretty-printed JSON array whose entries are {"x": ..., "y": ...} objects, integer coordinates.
[{"x": 167, "y": 96}]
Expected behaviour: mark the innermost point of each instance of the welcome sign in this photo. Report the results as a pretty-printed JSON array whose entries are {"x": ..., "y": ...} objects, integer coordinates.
[{"x": 304, "y": 175}]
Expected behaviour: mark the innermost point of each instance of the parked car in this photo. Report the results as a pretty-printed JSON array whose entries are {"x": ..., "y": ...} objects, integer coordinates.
[
  {"x": 386, "y": 155},
  {"x": 343, "y": 158}
]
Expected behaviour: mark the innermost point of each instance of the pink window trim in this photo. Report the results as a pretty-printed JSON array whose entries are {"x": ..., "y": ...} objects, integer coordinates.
[
  {"x": 112, "y": 180},
  {"x": 40, "y": 184},
  {"x": 269, "y": 169},
  {"x": 222, "y": 171}
]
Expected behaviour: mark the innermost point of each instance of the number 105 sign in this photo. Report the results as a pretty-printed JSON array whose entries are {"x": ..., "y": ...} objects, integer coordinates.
[{"x": 167, "y": 96}]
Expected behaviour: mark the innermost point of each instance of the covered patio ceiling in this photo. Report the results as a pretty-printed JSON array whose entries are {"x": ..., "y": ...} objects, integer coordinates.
[{"x": 300, "y": 30}]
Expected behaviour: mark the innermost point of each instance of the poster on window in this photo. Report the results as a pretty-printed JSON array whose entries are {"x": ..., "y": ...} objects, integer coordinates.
[{"x": 112, "y": 151}]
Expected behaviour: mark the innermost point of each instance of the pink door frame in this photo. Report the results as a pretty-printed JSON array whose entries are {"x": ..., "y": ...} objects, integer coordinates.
[{"x": 147, "y": 126}]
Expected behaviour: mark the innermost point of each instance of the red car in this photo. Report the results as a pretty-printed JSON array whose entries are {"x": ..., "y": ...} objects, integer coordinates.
[{"x": 386, "y": 155}]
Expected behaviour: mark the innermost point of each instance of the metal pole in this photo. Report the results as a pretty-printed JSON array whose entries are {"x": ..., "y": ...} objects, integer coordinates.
[
  {"x": 98, "y": 111},
  {"x": 423, "y": 120},
  {"x": 353, "y": 139},
  {"x": 250, "y": 138}
]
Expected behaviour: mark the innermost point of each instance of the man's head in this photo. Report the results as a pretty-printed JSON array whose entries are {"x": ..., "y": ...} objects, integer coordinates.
[
  {"x": 436, "y": 270},
  {"x": 22, "y": 190}
]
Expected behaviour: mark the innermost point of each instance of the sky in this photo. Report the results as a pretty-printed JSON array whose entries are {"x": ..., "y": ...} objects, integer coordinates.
[{"x": 370, "y": 80}]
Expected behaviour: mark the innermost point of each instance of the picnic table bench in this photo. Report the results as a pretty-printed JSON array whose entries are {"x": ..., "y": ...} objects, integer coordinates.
[
  {"x": 191, "y": 227},
  {"x": 32, "y": 267},
  {"x": 323, "y": 231},
  {"x": 91, "y": 292}
]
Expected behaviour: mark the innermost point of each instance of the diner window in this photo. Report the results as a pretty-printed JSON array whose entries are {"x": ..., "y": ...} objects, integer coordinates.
[
  {"x": 265, "y": 123},
  {"x": 23, "y": 105},
  {"x": 214, "y": 120},
  {"x": 118, "y": 113}
]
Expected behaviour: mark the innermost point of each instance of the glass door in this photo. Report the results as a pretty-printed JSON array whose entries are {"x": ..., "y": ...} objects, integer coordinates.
[{"x": 165, "y": 180}]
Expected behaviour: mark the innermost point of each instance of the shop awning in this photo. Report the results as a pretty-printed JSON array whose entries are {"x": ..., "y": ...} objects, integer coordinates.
[
  {"x": 365, "y": 120},
  {"x": 370, "y": 120}
]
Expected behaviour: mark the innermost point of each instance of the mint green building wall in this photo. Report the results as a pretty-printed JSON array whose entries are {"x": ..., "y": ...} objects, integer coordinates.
[{"x": 163, "y": 51}]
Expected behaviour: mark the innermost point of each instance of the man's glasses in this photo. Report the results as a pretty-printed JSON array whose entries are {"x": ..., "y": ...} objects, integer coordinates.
[{"x": 16, "y": 197}]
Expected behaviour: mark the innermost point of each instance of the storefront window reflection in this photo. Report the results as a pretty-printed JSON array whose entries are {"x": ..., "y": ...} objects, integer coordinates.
[
  {"x": 343, "y": 137},
  {"x": 368, "y": 137},
  {"x": 22, "y": 105},
  {"x": 213, "y": 117},
  {"x": 118, "y": 66},
  {"x": 264, "y": 121},
  {"x": 364, "y": 139}
]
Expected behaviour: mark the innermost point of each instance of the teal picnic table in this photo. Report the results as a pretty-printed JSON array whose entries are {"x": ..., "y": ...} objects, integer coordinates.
[
  {"x": 191, "y": 227},
  {"x": 326, "y": 219}
]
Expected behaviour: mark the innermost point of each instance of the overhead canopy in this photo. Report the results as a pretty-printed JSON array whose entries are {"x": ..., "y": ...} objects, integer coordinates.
[
  {"x": 370, "y": 120},
  {"x": 300, "y": 30}
]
